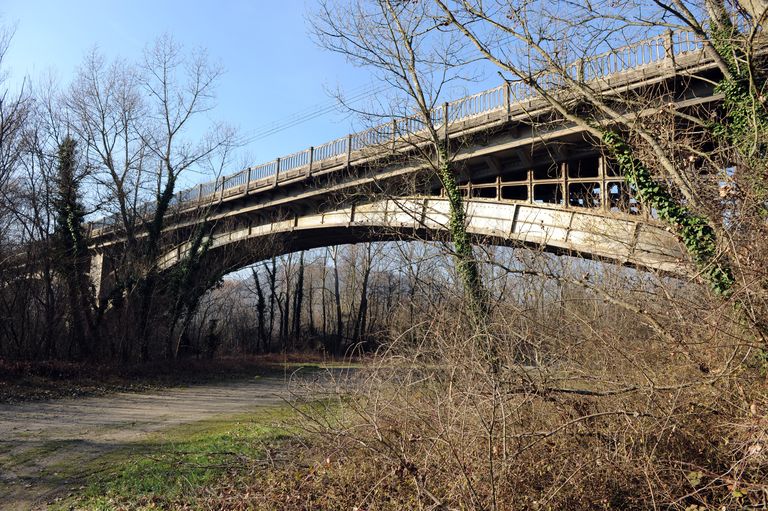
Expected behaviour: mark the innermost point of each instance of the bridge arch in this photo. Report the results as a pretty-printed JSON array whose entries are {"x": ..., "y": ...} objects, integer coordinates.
[{"x": 619, "y": 238}]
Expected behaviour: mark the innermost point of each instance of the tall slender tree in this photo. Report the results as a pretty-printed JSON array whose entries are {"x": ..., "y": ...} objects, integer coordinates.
[
  {"x": 70, "y": 238},
  {"x": 298, "y": 297},
  {"x": 403, "y": 43}
]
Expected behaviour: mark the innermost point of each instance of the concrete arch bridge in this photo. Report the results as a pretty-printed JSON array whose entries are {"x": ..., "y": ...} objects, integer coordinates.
[{"x": 526, "y": 180}]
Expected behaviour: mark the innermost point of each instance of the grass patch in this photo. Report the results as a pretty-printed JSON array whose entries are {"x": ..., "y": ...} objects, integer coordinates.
[
  {"x": 171, "y": 468},
  {"x": 6, "y": 447},
  {"x": 27, "y": 455}
]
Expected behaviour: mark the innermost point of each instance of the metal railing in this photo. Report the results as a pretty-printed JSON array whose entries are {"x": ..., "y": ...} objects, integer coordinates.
[{"x": 509, "y": 97}]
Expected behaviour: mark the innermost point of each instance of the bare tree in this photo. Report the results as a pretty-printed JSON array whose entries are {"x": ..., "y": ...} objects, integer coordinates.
[
  {"x": 260, "y": 311},
  {"x": 695, "y": 167},
  {"x": 134, "y": 124},
  {"x": 339, "y": 335},
  {"x": 402, "y": 43},
  {"x": 298, "y": 297}
]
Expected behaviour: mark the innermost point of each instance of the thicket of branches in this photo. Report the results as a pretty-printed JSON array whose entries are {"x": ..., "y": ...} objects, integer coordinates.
[
  {"x": 113, "y": 143},
  {"x": 608, "y": 388},
  {"x": 109, "y": 144},
  {"x": 344, "y": 300},
  {"x": 702, "y": 170}
]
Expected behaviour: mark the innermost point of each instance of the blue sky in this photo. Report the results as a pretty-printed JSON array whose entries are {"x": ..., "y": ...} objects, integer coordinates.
[{"x": 273, "y": 69}]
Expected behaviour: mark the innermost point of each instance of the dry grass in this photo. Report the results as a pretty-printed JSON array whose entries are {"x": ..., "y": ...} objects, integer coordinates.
[{"x": 593, "y": 408}]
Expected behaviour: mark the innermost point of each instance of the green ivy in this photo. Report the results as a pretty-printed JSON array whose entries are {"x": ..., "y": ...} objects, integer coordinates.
[
  {"x": 69, "y": 210},
  {"x": 760, "y": 361},
  {"x": 745, "y": 119},
  {"x": 697, "y": 235},
  {"x": 465, "y": 259},
  {"x": 186, "y": 269},
  {"x": 466, "y": 264}
]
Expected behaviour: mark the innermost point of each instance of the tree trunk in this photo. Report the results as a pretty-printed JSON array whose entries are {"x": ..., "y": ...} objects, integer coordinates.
[
  {"x": 310, "y": 310},
  {"x": 261, "y": 341},
  {"x": 337, "y": 296},
  {"x": 466, "y": 264},
  {"x": 362, "y": 311},
  {"x": 272, "y": 285},
  {"x": 323, "y": 293},
  {"x": 298, "y": 297}
]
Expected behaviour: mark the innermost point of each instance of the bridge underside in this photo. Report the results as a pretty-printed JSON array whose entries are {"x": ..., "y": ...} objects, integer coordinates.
[{"x": 618, "y": 238}]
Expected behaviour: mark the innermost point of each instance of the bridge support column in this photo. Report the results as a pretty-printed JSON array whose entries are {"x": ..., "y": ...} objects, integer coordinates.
[{"x": 102, "y": 276}]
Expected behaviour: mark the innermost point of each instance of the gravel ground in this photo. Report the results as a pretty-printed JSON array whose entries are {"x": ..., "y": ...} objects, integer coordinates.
[{"x": 42, "y": 444}]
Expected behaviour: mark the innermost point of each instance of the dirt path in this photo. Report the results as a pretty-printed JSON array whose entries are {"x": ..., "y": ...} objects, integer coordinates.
[{"x": 37, "y": 438}]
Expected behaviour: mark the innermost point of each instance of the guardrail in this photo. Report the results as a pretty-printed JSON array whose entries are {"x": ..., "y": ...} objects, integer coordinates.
[{"x": 645, "y": 53}]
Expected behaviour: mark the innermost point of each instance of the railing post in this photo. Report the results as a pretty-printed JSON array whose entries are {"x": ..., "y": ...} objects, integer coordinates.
[
  {"x": 601, "y": 170},
  {"x": 445, "y": 123},
  {"x": 508, "y": 100},
  {"x": 669, "y": 47},
  {"x": 564, "y": 183},
  {"x": 311, "y": 160},
  {"x": 349, "y": 149},
  {"x": 530, "y": 185},
  {"x": 394, "y": 135},
  {"x": 247, "y": 181},
  {"x": 277, "y": 172}
]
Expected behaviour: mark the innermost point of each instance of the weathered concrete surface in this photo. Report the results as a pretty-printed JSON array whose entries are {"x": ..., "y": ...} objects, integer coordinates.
[{"x": 618, "y": 238}]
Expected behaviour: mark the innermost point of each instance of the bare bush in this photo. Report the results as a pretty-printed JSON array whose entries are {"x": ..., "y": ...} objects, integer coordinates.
[{"x": 593, "y": 406}]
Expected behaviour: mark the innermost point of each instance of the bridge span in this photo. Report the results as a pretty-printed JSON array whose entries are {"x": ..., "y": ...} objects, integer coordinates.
[
  {"x": 526, "y": 180},
  {"x": 581, "y": 232}
]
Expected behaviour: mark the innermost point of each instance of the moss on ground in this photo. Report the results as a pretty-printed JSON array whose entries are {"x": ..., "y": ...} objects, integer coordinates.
[{"x": 173, "y": 466}]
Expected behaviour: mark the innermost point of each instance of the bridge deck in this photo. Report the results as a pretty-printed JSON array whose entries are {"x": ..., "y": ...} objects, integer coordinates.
[{"x": 638, "y": 64}]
